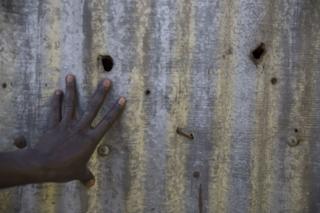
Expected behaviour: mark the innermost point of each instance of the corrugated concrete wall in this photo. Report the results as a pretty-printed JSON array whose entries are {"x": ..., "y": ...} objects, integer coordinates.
[{"x": 195, "y": 57}]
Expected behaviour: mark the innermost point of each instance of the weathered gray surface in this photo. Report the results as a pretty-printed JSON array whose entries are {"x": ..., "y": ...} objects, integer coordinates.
[{"x": 194, "y": 58}]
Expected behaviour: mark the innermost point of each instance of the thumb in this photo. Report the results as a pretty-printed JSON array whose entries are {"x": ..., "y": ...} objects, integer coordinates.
[{"x": 87, "y": 178}]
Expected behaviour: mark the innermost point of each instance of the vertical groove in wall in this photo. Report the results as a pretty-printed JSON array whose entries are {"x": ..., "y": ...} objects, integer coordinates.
[
  {"x": 94, "y": 45},
  {"x": 313, "y": 119},
  {"x": 36, "y": 40},
  {"x": 136, "y": 161},
  {"x": 301, "y": 114},
  {"x": 265, "y": 163},
  {"x": 222, "y": 122},
  {"x": 158, "y": 75},
  {"x": 205, "y": 59},
  {"x": 12, "y": 28},
  {"x": 176, "y": 146},
  {"x": 49, "y": 43}
]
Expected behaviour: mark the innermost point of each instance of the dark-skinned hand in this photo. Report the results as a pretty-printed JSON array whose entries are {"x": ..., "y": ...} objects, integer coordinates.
[{"x": 63, "y": 152}]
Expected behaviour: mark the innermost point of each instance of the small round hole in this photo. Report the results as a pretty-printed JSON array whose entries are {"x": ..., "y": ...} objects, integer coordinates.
[
  {"x": 147, "y": 92},
  {"x": 296, "y": 130},
  {"x": 4, "y": 85},
  {"x": 107, "y": 63},
  {"x": 196, "y": 174},
  {"x": 293, "y": 141},
  {"x": 274, "y": 81}
]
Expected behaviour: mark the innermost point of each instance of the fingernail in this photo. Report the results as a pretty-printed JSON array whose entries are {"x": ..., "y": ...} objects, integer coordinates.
[
  {"x": 57, "y": 92},
  {"x": 122, "y": 101},
  {"x": 90, "y": 183},
  {"x": 106, "y": 84},
  {"x": 70, "y": 78}
]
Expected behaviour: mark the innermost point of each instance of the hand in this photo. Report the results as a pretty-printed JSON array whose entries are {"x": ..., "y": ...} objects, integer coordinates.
[{"x": 64, "y": 150}]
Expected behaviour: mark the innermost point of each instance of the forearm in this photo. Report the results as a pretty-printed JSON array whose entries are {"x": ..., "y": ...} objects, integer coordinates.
[{"x": 19, "y": 168}]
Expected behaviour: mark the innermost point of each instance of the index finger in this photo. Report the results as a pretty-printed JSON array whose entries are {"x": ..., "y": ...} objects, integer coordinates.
[
  {"x": 108, "y": 119},
  {"x": 95, "y": 103}
]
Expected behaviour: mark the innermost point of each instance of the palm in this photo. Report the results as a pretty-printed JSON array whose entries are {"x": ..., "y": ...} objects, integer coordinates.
[{"x": 68, "y": 144}]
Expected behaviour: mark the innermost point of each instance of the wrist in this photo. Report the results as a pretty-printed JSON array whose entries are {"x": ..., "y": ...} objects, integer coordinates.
[
  {"x": 33, "y": 169},
  {"x": 20, "y": 167}
]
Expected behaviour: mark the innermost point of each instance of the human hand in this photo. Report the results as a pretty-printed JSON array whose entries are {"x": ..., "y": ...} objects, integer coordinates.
[{"x": 64, "y": 150}]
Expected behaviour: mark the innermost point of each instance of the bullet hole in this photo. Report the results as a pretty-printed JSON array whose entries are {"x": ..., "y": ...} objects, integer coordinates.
[
  {"x": 103, "y": 150},
  {"x": 274, "y": 81},
  {"x": 293, "y": 141},
  {"x": 228, "y": 52},
  {"x": 4, "y": 85},
  {"x": 296, "y": 130},
  {"x": 107, "y": 62},
  {"x": 196, "y": 174},
  {"x": 20, "y": 142},
  {"x": 147, "y": 92},
  {"x": 258, "y": 53}
]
